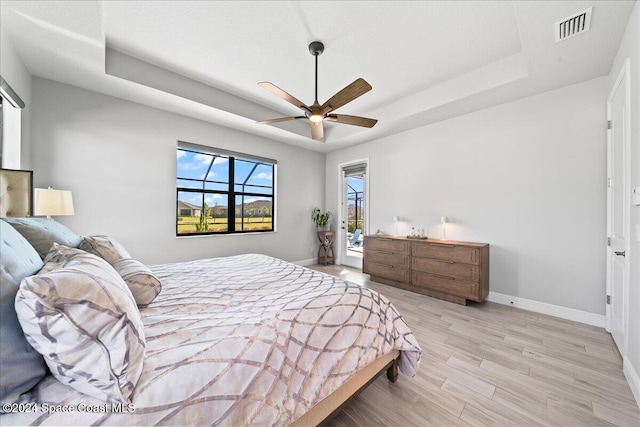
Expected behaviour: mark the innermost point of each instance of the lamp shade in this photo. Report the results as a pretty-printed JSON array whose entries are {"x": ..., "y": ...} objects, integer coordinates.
[
  {"x": 50, "y": 202},
  {"x": 444, "y": 220}
]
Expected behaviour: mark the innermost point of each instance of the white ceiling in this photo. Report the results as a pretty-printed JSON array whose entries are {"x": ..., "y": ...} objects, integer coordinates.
[{"x": 427, "y": 61}]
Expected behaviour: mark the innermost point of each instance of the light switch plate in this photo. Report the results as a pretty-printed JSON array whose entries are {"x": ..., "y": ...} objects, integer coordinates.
[{"x": 635, "y": 196}]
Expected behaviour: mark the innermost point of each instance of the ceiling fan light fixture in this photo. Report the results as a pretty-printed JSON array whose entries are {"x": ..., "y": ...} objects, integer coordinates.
[{"x": 316, "y": 118}]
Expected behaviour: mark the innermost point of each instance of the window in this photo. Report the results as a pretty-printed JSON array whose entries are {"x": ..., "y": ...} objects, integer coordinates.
[
  {"x": 221, "y": 192},
  {"x": 10, "y": 111}
]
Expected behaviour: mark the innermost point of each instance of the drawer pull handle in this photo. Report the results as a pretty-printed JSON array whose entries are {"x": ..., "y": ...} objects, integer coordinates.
[
  {"x": 444, "y": 261},
  {"x": 385, "y": 252},
  {"x": 384, "y": 265},
  {"x": 443, "y": 277},
  {"x": 386, "y": 239},
  {"x": 441, "y": 246}
]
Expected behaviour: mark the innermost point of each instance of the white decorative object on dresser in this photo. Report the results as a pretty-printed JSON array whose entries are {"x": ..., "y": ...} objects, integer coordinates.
[{"x": 451, "y": 270}]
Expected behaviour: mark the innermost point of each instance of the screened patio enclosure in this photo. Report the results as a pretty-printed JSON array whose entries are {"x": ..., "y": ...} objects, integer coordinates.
[
  {"x": 221, "y": 192},
  {"x": 355, "y": 215}
]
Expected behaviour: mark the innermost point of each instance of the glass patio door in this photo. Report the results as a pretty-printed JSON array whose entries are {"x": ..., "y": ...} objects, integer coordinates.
[{"x": 354, "y": 213}]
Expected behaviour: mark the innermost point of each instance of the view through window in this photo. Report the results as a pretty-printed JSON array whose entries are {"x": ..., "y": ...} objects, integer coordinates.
[{"x": 219, "y": 192}]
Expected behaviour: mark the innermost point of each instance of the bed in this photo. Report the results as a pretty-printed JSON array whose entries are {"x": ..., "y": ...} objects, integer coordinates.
[{"x": 242, "y": 340}]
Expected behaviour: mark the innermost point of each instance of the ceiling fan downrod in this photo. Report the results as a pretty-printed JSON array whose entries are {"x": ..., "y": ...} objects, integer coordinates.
[{"x": 316, "y": 48}]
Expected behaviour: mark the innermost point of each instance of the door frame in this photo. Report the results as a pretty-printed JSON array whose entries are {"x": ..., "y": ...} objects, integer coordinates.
[
  {"x": 626, "y": 75},
  {"x": 340, "y": 236}
]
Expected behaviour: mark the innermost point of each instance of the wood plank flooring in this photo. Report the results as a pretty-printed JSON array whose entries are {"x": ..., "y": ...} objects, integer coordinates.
[{"x": 493, "y": 365}]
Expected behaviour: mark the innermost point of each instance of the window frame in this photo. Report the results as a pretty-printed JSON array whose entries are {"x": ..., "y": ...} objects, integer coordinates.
[{"x": 230, "y": 193}]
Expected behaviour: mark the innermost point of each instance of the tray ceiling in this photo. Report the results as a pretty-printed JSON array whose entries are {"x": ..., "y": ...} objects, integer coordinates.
[{"x": 427, "y": 61}]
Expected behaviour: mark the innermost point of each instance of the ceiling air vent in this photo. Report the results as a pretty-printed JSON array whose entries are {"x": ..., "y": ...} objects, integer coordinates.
[{"x": 573, "y": 25}]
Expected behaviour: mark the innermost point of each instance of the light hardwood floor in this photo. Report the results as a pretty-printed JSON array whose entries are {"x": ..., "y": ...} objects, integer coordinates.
[{"x": 493, "y": 365}]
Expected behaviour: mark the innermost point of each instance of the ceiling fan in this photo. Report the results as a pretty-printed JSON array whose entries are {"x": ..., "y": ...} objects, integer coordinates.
[{"x": 317, "y": 113}]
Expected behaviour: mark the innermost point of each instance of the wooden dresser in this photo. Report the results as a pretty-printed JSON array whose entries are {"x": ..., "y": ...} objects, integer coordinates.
[{"x": 449, "y": 270}]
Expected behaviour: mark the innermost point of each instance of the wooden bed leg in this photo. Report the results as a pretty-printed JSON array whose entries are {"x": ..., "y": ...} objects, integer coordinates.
[{"x": 392, "y": 372}]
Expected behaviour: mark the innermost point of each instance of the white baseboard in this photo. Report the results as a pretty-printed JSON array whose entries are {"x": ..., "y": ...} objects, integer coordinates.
[
  {"x": 550, "y": 309},
  {"x": 632, "y": 378},
  {"x": 305, "y": 262}
]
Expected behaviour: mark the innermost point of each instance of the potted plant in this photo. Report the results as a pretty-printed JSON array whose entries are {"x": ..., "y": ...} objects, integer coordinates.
[{"x": 320, "y": 218}]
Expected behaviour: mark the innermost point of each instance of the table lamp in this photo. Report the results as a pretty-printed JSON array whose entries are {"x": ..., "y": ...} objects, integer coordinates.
[{"x": 50, "y": 202}]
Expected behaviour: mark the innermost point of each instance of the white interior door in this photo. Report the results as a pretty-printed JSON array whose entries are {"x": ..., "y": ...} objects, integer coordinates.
[
  {"x": 618, "y": 210},
  {"x": 354, "y": 214}
]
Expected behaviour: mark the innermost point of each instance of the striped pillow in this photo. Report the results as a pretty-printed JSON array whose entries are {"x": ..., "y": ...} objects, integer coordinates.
[
  {"x": 82, "y": 318},
  {"x": 144, "y": 286},
  {"x": 105, "y": 247}
]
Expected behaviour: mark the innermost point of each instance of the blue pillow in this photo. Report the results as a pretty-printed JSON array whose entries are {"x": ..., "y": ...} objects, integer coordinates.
[
  {"x": 21, "y": 366},
  {"x": 43, "y": 232}
]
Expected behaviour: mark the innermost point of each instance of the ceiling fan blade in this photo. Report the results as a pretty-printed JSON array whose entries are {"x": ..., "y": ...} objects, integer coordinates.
[
  {"x": 352, "y": 120},
  {"x": 346, "y": 95},
  {"x": 284, "y": 95},
  {"x": 281, "y": 119},
  {"x": 317, "y": 131}
]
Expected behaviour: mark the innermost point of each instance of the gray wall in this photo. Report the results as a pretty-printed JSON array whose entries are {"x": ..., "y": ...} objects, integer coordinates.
[
  {"x": 528, "y": 177},
  {"x": 630, "y": 48},
  {"x": 119, "y": 159}
]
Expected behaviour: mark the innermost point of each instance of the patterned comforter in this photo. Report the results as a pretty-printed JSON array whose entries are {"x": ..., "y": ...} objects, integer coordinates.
[{"x": 240, "y": 340}]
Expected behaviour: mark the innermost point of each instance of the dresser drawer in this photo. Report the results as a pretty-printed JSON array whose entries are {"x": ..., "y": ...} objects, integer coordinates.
[
  {"x": 445, "y": 284},
  {"x": 456, "y": 270},
  {"x": 386, "y": 245},
  {"x": 443, "y": 251},
  {"x": 386, "y": 271},
  {"x": 396, "y": 260}
]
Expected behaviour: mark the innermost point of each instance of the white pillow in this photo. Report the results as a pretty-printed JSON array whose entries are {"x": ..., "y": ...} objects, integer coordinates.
[{"x": 82, "y": 318}]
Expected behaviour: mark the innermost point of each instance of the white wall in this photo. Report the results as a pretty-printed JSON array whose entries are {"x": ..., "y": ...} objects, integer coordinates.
[
  {"x": 630, "y": 48},
  {"x": 528, "y": 177},
  {"x": 16, "y": 74},
  {"x": 119, "y": 159}
]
